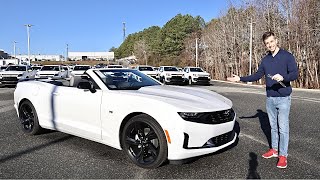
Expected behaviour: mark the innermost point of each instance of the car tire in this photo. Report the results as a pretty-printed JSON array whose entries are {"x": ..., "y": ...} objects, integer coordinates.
[
  {"x": 28, "y": 118},
  {"x": 144, "y": 142}
]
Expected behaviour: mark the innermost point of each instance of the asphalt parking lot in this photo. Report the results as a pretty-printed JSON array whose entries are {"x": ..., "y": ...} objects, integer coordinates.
[{"x": 59, "y": 155}]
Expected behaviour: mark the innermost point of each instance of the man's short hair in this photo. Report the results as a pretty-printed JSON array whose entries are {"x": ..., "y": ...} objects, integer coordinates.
[{"x": 266, "y": 35}]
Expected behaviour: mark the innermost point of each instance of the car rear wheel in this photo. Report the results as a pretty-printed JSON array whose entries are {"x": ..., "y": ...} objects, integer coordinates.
[
  {"x": 144, "y": 142},
  {"x": 28, "y": 118}
]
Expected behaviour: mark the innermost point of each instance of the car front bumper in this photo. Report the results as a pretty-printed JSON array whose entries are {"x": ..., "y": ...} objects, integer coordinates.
[
  {"x": 196, "y": 139},
  {"x": 201, "y": 80}
]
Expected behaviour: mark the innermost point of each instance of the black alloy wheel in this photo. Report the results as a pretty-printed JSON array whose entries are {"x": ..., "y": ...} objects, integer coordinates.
[
  {"x": 28, "y": 118},
  {"x": 144, "y": 142}
]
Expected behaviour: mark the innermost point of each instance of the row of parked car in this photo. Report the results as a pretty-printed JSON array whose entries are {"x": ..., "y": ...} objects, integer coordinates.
[
  {"x": 173, "y": 75},
  {"x": 165, "y": 74},
  {"x": 13, "y": 73}
]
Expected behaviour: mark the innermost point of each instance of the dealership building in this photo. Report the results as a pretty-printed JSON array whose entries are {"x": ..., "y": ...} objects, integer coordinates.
[
  {"x": 41, "y": 57},
  {"x": 78, "y": 56}
]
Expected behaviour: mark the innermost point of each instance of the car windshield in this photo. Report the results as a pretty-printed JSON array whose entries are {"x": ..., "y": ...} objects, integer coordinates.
[
  {"x": 16, "y": 68},
  {"x": 170, "y": 68},
  {"x": 81, "y": 68},
  {"x": 196, "y": 70},
  {"x": 146, "y": 68},
  {"x": 125, "y": 79},
  {"x": 36, "y": 67},
  {"x": 50, "y": 68},
  {"x": 115, "y": 66}
]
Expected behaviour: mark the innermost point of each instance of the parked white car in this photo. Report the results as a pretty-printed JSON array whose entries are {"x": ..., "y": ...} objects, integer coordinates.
[
  {"x": 116, "y": 107},
  {"x": 12, "y": 74},
  {"x": 148, "y": 70},
  {"x": 49, "y": 71},
  {"x": 79, "y": 69},
  {"x": 171, "y": 75},
  {"x": 197, "y": 75}
]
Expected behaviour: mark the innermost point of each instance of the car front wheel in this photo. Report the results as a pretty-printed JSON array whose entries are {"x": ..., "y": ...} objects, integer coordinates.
[
  {"x": 28, "y": 118},
  {"x": 144, "y": 142}
]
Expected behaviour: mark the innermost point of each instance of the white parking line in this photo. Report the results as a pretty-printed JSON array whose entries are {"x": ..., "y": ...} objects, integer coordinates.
[
  {"x": 252, "y": 138},
  {"x": 2, "y": 91},
  {"x": 294, "y": 155},
  {"x": 6, "y": 106}
]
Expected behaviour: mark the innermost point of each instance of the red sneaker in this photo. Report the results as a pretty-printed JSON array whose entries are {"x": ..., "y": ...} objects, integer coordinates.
[
  {"x": 271, "y": 153},
  {"x": 282, "y": 163}
]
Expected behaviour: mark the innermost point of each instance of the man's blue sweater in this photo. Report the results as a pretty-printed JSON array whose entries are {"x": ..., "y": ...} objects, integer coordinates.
[{"x": 282, "y": 63}]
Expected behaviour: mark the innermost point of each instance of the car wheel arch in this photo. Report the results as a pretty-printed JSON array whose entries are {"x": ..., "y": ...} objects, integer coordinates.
[
  {"x": 158, "y": 141},
  {"x": 23, "y": 100},
  {"x": 127, "y": 118}
]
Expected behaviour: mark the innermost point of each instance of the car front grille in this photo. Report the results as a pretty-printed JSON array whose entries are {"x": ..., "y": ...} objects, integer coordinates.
[
  {"x": 212, "y": 142},
  {"x": 9, "y": 79},
  {"x": 217, "y": 117},
  {"x": 219, "y": 140},
  {"x": 203, "y": 79}
]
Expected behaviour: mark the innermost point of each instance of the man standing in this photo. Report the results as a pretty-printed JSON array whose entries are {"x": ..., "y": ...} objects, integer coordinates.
[{"x": 279, "y": 68}]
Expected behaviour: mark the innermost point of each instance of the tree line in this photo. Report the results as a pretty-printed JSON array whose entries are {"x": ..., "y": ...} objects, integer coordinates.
[{"x": 224, "y": 42}]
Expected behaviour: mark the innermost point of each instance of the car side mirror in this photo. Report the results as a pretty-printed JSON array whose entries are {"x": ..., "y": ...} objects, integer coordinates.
[{"x": 87, "y": 85}]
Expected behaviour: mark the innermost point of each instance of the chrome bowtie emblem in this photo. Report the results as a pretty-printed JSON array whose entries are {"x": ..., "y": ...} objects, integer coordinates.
[{"x": 227, "y": 112}]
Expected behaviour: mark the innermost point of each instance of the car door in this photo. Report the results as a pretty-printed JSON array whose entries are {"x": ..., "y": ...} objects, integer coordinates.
[{"x": 78, "y": 111}]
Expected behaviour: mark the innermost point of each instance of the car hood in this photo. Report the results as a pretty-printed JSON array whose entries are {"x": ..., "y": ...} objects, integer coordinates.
[
  {"x": 47, "y": 72},
  {"x": 78, "y": 72},
  {"x": 200, "y": 73},
  {"x": 149, "y": 72},
  {"x": 187, "y": 99}
]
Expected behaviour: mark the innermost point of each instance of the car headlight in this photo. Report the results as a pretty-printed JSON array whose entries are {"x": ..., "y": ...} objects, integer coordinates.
[
  {"x": 37, "y": 76},
  {"x": 188, "y": 115},
  {"x": 168, "y": 74},
  {"x": 195, "y": 75},
  {"x": 19, "y": 75}
]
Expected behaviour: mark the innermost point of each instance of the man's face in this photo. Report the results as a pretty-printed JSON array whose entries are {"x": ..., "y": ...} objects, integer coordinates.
[{"x": 271, "y": 43}]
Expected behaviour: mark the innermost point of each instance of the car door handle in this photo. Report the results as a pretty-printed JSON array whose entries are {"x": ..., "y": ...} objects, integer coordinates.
[{"x": 56, "y": 94}]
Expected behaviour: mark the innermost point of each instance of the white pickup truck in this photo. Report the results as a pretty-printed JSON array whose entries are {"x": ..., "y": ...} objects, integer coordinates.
[
  {"x": 171, "y": 75},
  {"x": 197, "y": 75}
]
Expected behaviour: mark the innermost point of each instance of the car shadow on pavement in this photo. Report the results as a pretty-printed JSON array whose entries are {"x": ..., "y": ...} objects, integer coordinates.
[
  {"x": 33, "y": 149},
  {"x": 264, "y": 123}
]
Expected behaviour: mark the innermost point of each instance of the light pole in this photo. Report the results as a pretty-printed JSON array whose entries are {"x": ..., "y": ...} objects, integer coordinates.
[
  {"x": 196, "y": 52},
  {"x": 14, "y": 48},
  {"x": 28, "y": 33},
  {"x": 67, "y": 52},
  {"x": 124, "y": 30}
]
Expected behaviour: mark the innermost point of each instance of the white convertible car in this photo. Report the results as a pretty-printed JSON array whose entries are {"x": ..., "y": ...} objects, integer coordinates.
[{"x": 128, "y": 110}]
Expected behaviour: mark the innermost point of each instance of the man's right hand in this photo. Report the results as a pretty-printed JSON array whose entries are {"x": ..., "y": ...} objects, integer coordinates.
[{"x": 234, "y": 78}]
